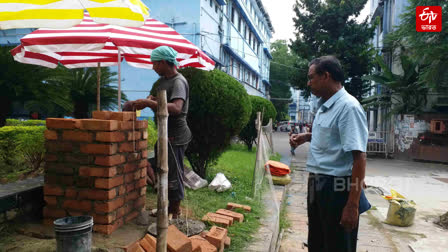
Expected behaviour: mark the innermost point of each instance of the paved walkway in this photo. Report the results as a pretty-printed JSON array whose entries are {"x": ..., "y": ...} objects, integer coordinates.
[{"x": 371, "y": 232}]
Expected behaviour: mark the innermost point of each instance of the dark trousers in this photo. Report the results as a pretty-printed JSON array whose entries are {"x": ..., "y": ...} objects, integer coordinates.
[
  {"x": 327, "y": 196},
  {"x": 176, "y": 155}
]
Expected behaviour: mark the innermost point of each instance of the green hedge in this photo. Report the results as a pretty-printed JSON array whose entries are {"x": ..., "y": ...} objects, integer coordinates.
[
  {"x": 152, "y": 134},
  {"x": 15, "y": 122},
  {"x": 21, "y": 145}
]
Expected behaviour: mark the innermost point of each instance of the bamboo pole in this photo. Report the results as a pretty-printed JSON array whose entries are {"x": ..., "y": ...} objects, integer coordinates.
[
  {"x": 162, "y": 162},
  {"x": 258, "y": 123},
  {"x": 98, "y": 80},
  {"x": 119, "y": 80}
]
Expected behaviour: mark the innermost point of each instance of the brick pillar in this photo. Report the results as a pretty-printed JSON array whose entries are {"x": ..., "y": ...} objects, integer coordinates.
[{"x": 96, "y": 167}]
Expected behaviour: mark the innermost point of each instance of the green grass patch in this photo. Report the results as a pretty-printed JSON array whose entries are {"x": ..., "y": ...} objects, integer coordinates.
[{"x": 237, "y": 164}]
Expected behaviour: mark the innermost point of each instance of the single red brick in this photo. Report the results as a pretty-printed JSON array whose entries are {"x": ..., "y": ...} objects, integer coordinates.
[
  {"x": 141, "y": 124},
  {"x": 128, "y": 178},
  {"x": 227, "y": 242},
  {"x": 56, "y": 146},
  {"x": 137, "y": 175},
  {"x": 151, "y": 240},
  {"x": 236, "y": 216},
  {"x": 143, "y": 163},
  {"x": 145, "y": 135},
  {"x": 78, "y": 136},
  {"x": 126, "y": 147},
  {"x": 139, "y": 202},
  {"x": 50, "y": 157},
  {"x": 247, "y": 208},
  {"x": 217, "y": 237},
  {"x": 110, "y": 137},
  {"x": 108, "y": 229},
  {"x": 51, "y": 179},
  {"x": 142, "y": 145},
  {"x": 130, "y": 187},
  {"x": 140, "y": 183},
  {"x": 110, "y": 160},
  {"x": 74, "y": 213},
  {"x": 99, "y": 125},
  {"x": 131, "y": 196},
  {"x": 51, "y": 200},
  {"x": 51, "y": 135},
  {"x": 78, "y": 158},
  {"x": 89, "y": 171},
  {"x": 123, "y": 116},
  {"x": 53, "y": 190},
  {"x": 71, "y": 193},
  {"x": 133, "y": 247},
  {"x": 130, "y": 167},
  {"x": 134, "y": 135},
  {"x": 201, "y": 243},
  {"x": 121, "y": 190},
  {"x": 145, "y": 154},
  {"x": 218, "y": 216},
  {"x": 59, "y": 168},
  {"x": 50, "y": 212},
  {"x": 128, "y": 208},
  {"x": 109, "y": 206},
  {"x": 104, "y": 218},
  {"x": 66, "y": 180},
  {"x": 177, "y": 241},
  {"x": 97, "y": 194},
  {"x": 109, "y": 182},
  {"x": 133, "y": 156},
  {"x": 120, "y": 212},
  {"x": 81, "y": 205},
  {"x": 88, "y": 182},
  {"x": 231, "y": 205},
  {"x": 101, "y": 115},
  {"x": 108, "y": 149},
  {"x": 61, "y": 123},
  {"x": 128, "y": 125},
  {"x": 224, "y": 222},
  {"x": 146, "y": 246},
  {"x": 131, "y": 216},
  {"x": 142, "y": 172}
]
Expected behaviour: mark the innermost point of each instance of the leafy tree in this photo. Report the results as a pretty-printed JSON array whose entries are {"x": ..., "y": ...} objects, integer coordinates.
[
  {"x": 429, "y": 49},
  {"x": 259, "y": 104},
  {"x": 81, "y": 84},
  {"x": 280, "y": 74},
  {"x": 18, "y": 82},
  {"x": 403, "y": 94},
  {"x": 219, "y": 110},
  {"x": 329, "y": 28}
]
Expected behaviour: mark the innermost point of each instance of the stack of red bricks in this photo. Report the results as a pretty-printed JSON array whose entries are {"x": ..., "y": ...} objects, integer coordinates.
[
  {"x": 96, "y": 167},
  {"x": 226, "y": 217},
  {"x": 209, "y": 241}
]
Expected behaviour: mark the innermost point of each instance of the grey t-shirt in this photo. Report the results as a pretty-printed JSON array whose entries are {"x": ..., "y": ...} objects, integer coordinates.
[{"x": 177, "y": 88}]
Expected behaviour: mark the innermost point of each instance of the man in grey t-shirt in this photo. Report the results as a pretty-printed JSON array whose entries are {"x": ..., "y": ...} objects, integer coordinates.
[{"x": 179, "y": 134}]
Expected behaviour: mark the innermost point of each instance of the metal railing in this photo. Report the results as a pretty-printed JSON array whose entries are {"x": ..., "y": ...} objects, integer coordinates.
[{"x": 380, "y": 142}]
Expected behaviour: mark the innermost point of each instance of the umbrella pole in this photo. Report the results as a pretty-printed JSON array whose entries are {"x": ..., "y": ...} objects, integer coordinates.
[
  {"x": 98, "y": 79},
  {"x": 119, "y": 80},
  {"x": 162, "y": 162}
]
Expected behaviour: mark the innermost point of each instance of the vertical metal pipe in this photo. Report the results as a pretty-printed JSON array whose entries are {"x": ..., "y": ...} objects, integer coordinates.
[
  {"x": 98, "y": 80},
  {"x": 119, "y": 80}
]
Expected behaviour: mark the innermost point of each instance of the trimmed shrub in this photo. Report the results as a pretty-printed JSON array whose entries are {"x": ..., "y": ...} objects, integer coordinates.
[
  {"x": 219, "y": 109},
  {"x": 259, "y": 104},
  {"x": 15, "y": 122},
  {"x": 22, "y": 143},
  {"x": 152, "y": 133}
]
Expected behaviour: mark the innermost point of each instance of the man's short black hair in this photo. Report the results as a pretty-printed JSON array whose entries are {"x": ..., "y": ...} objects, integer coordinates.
[{"x": 329, "y": 64}]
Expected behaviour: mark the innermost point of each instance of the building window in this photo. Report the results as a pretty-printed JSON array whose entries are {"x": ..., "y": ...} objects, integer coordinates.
[
  {"x": 231, "y": 66},
  {"x": 233, "y": 15},
  {"x": 250, "y": 37},
  {"x": 216, "y": 7},
  {"x": 245, "y": 31},
  {"x": 238, "y": 70},
  {"x": 239, "y": 24},
  {"x": 211, "y": 3}
]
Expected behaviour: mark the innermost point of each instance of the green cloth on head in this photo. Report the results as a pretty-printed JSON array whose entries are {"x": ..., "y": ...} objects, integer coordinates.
[{"x": 164, "y": 53}]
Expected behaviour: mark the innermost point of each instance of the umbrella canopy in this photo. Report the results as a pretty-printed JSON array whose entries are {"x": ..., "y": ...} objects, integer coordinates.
[
  {"x": 67, "y": 13},
  {"x": 90, "y": 43}
]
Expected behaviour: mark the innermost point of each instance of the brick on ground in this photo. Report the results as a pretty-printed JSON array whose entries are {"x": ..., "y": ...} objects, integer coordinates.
[
  {"x": 217, "y": 215},
  {"x": 217, "y": 237},
  {"x": 177, "y": 241},
  {"x": 216, "y": 220},
  {"x": 202, "y": 243},
  {"x": 236, "y": 216},
  {"x": 231, "y": 205},
  {"x": 227, "y": 242}
]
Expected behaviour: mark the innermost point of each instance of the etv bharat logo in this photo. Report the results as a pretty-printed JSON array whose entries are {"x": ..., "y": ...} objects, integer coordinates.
[{"x": 429, "y": 18}]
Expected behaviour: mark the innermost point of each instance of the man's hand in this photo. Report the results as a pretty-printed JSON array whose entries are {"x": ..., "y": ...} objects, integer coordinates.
[
  {"x": 298, "y": 139},
  {"x": 349, "y": 219},
  {"x": 153, "y": 98}
]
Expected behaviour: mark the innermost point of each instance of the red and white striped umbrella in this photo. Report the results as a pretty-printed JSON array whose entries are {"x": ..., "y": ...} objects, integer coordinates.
[{"x": 90, "y": 43}]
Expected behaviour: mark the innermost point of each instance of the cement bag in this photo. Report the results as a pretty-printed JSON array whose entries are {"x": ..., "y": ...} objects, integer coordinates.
[
  {"x": 401, "y": 212},
  {"x": 281, "y": 180},
  {"x": 220, "y": 183},
  {"x": 192, "y": 180}
]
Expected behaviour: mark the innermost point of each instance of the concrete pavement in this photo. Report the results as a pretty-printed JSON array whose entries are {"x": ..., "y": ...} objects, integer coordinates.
[{"x": 424, "y": 183}]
